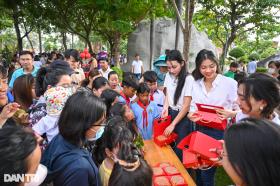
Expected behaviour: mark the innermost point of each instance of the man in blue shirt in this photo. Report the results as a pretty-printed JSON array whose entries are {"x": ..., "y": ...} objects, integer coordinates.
[{"x": 26, "y": 61}]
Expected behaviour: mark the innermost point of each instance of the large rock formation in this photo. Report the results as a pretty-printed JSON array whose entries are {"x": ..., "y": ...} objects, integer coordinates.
[{"x": 164, "y": 38}]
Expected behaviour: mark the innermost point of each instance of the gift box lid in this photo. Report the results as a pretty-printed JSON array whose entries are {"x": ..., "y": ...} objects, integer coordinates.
[
  {"x": 200, "y": 143},
  {"x": 208, "y": 108}
]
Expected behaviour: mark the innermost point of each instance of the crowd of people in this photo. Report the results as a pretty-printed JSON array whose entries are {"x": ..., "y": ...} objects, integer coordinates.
[{"x": 68, "y": 128}]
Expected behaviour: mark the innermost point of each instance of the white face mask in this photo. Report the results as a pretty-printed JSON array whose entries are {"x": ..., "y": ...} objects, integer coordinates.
[
  {"x": 271, "y": 70},
  {"x": 39, "y": 177}
]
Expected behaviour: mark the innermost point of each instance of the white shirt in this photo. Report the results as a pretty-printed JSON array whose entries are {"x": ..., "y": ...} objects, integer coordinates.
[
  {"x": 170, "y": 83},
  {"x": 223, "y": 93},
  {"x": 48, "y": 125},
  {"x": 137, "y": 66},
  {"x": 240, "y": 116},
  {"x": 276, "y": 119},
  {"x": 106, "y": 73},
  {"x": 159, "y": 99}
]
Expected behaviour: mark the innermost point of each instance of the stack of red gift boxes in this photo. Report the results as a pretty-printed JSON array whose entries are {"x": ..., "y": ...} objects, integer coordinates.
[
  {"x": 166, "y": 174},
  {"x": 198, "y": 152},
  {"x": 159, "y": 126}
]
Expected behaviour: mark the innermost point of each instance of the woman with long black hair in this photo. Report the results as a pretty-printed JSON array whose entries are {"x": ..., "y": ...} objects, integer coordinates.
[{"x": 178, "y": 84}]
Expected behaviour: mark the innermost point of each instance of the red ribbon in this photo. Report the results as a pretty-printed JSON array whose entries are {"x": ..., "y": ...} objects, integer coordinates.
[
  {"x": 127, "y": 100},
  {"x": 152, "y": 97},
  {"x": 144, "y": 114}
]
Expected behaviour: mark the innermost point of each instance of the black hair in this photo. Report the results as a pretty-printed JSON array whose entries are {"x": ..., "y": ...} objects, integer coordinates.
[
  {"x": 240, "y": 76},
  {"x": 92, "y": 73},
  {"x": 150, "y": 76},
  {"x": 253, "y": 150},
  {"x": 72, "y": 52},
  {"x": 3, "y": 72},
  {"x": 24, "y": 52},
  {"x": 47, "y": 76},
  {"x": 36, "y": 58},
  {"x": 99, "y": 82},
  {"x": 109, "y": 96},
  {"x": 175, "y": 55},
  {"x": 142, "y": 88},
  {"x": 112, "y": 73},
  {"x": 118, "y": 109},
  {"x": 121, "y": 176},
  {"x": 201, "y": 56},
  {"x": 16, "y": 145},
  {"x": 261, "y": 86},
  {"x": 234, "y": 65},
  {"x": 115, "y": 133},
  {"x": 79, "y": 114},
  {"x": 130, "y": 80}
]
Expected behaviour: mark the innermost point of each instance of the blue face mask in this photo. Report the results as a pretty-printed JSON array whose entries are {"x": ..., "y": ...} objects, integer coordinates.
[{"x": 98, "y": 134}]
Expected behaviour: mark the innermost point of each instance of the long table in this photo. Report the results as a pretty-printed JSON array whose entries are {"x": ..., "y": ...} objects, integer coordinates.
[{"x": 155, "y": 154}]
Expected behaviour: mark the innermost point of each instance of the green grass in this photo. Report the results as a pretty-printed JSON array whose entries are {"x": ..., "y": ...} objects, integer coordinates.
[{"x": 222, "y": 179}]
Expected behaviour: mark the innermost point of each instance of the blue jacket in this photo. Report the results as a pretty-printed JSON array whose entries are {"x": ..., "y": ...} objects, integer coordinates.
[{"x": 69, "y": 165}]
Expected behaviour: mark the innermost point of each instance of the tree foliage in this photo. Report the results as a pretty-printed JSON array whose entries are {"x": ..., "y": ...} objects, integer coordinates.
[{"x": 226, "y": 20}]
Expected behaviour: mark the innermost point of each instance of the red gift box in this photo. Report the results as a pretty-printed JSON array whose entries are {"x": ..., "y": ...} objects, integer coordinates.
[
  {"x": 190, "y": 160},
  {"x": 171, "y": 170},
  {"x": 177, "y": 180},
  {"x": 161, "y": 181},
  {"x": 200, "y": 144},
  {"x": 159, "y": 126},
  {"x": 209, "y": 117},
  {"x": 158, "y": 171}
]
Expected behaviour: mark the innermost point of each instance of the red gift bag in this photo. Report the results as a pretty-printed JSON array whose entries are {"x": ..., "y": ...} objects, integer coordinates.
[
  {"x": 199, "y": 144},
  {"x": 159, "y": 126},
  {"x": 209, "y": 117}
]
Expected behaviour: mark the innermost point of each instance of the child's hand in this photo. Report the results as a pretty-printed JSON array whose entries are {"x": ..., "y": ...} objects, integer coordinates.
[
  {"x": 169, "y": 129},
  {"x": 9, "y": 110}
]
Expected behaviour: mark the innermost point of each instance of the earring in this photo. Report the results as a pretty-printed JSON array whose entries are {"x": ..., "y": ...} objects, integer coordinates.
[{"x": 261, "y": 108}]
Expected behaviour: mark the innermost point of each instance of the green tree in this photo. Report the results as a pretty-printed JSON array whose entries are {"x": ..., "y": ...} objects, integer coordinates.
[
  {"x": 237, "y": 52},
  {"x": 224, "y": 21}
]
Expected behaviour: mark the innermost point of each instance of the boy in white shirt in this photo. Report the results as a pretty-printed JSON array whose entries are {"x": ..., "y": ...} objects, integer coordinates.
[
  {"x": 156, "y": 95},
  {"x": 56, "y": 98},
  {"x": 137, "y": 67}
]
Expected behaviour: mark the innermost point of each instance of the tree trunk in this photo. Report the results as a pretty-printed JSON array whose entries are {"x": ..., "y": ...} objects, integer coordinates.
[
  {"x": 152, "y": 26},
  {"x": 187, "y": 32},
  {"x": 16, "y": 25},
  {"x": 177, "y": 36},
  {"x": 30, "y": 42},
  {"x": 40, "y": 40},
  {"x": 64, "y": 38},
  {"x": 116, "y": 48},
  {"x": 228, "y": 42},
  {"x": 90, "y": 50}
]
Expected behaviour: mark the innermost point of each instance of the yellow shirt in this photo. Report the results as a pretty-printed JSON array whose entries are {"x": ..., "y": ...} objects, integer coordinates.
[{"x": 104, "y": 173}]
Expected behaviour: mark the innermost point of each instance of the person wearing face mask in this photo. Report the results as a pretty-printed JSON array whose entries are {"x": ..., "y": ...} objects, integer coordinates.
[
  {"x": 81, "y": 120},
  {"x": 115, "y": 135},
  {"x": 274, "y": 69},
  {"x": 20, "y": 155}
]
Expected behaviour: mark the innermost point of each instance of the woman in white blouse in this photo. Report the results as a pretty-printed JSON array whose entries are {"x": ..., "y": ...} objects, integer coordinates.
[
  {"x": 211, "y": 88},
  {"x": 258, "y": 97},
  {"x": 178, "y": 86}
]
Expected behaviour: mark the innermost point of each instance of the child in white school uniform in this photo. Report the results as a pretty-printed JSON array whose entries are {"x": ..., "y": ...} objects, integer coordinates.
[
  {"x": 156, "y": 95},
  {"x": 56, "y": 98}
]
